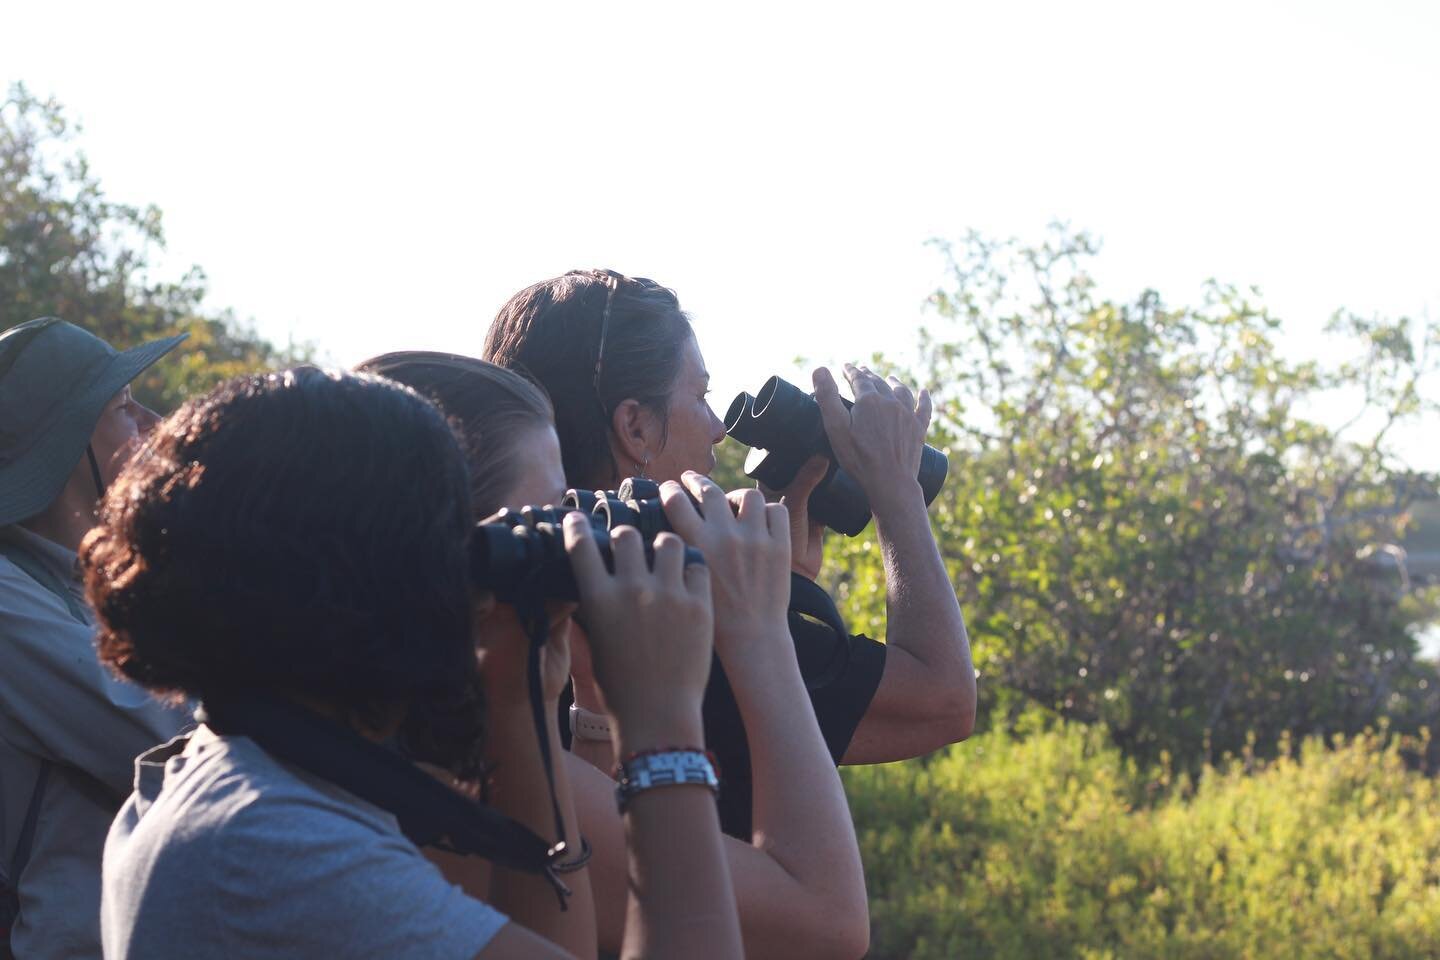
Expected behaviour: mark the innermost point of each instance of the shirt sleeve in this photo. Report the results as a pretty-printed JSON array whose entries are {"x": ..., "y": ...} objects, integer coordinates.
[
  {"x": 56, "y": 699},
  {"x": 840, "y": 704}
]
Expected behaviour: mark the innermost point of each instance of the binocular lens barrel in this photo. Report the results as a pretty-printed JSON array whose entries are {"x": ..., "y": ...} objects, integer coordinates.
[
  {"x": 521, "y": 554},
  {"x": 785, "y": 427},
  {"x": 784, "y": 415},
  {"x": 518, "y": 560},
  {"x": 582, "y": 500},
  {"x": 739, "y": 420}
]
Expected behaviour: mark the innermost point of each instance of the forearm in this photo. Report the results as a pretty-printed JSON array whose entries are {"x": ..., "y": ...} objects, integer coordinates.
[
  {"x": 923, "y": 617},
  {"x": 519, "y": 789},
  {"x": 680, "y": 901},
  {"x": 816, "y": 900}
]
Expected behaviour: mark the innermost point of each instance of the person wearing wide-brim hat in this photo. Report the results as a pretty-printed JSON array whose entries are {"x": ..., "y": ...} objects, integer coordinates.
[{"x": 69, "y": 730}]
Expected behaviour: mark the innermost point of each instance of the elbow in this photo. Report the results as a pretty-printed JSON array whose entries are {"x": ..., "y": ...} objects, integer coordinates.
[
  {"x": 952, "y": 723},
  {"x": 955, "y": 705},
  {"x": 856, "y": 940},
  {"x": 829, "y": 925},
  {"x": 963, "y": 719},
  {"x": 839, "y": 935},
  {"x": 960, "y": 726},
  {"x": 848, "y": 918}
]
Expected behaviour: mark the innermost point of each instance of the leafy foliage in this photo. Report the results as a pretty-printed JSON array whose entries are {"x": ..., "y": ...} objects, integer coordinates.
[
  {"x": 66, "y": 250},
  {"x": 1054, "y": 844},
  {"x": 1145, "y": 529},
  {"x": 729, "y": 469}
]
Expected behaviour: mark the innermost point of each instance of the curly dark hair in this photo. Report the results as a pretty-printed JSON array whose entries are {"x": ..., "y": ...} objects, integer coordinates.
[
  {"x": 550, "y": 332},
  {"x": 301, "y": 533}
]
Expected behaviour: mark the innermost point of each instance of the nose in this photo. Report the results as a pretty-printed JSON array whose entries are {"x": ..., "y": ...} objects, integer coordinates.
[
  {"x": 717, "y": 426},
  {"x": 146, "y": 420}
]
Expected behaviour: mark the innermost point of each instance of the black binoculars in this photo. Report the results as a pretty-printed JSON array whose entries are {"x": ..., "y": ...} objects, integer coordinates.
[
  {"x": 636, "y": 504},
  {"x": 520, "y": 555},
  {"x": 784, "y": 427}
]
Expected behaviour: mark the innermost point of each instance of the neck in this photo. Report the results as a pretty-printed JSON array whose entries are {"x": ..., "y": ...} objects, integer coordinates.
[
  {"x": 69, "y": 515},
  {"x": 386, "y": 723}
]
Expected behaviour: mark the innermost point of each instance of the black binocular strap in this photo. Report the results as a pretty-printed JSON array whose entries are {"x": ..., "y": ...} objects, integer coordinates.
[
  {"x": 809, "y": 599},
  {"x": 429, "y": 813},
  {"x": 532, "y": 616},
  {"x": 95, "y": 472},
  {"x": 26, "y": 841}
]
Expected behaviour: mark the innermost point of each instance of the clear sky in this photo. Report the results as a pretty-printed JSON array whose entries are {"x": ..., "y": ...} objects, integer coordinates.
[{"x": 375, "y": 177}]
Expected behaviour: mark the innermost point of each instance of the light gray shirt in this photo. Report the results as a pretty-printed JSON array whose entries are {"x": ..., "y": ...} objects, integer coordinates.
[
  {"x": 224, "y": 851},
  {"x": 59, "y": 705}
]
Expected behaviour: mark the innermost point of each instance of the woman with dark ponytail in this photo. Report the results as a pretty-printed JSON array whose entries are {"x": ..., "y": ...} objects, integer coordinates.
[{"x": 623, "y": 367}]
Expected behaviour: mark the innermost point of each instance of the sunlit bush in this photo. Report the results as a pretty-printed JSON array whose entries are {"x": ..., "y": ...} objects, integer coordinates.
[
  {"x": 1146, "y": 529},
  {"x": 1053, "y": 844}
]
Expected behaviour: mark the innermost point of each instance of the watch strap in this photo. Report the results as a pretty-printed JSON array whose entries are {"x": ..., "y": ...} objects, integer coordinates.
[
  {"x": 588, "y": 725},
  {"x": 675, "y": 767}
]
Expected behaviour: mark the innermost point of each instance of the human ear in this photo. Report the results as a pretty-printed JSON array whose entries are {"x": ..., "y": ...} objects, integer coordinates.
[{"x": 636, "y": 433}]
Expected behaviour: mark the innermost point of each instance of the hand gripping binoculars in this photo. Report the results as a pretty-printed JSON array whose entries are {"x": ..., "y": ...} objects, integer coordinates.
[
  {"x": 783, "y": 426},
  {"x": 520, "y": 555}
]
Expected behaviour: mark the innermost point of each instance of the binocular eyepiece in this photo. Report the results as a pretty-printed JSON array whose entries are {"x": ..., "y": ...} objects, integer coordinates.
[
  {"x": 521, "y": 554},
  {"x": 783, "y": 426}
]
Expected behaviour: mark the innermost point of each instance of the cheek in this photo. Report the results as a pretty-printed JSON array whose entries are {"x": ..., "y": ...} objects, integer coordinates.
[
  {"x": 700, "y": 431},
  {"x": 114, "y": 432}
]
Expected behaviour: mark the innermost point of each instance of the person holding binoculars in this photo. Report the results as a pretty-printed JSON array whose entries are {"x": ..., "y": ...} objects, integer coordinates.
[
  {"x": 799, "y": 885},
  {"x": 624, "y": 371},
  {"x": 293, "y": 551}
]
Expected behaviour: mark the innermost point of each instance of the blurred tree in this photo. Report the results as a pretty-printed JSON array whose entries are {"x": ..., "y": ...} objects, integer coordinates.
[
  {"x": 729, "y": 469},
  {"x": 66, "y": 250},
  {"x": 1144, "y": 527}
]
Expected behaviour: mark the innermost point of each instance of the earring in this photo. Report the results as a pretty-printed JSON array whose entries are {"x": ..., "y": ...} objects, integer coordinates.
[{"x": 641, "y": 467}]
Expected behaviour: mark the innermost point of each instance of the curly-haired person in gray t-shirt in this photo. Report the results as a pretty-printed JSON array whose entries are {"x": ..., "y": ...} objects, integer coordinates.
[{"x": 302, "y": 540}]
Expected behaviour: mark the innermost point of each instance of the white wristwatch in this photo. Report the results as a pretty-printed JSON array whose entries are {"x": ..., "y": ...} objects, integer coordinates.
[{"x": 587, "y": 725}]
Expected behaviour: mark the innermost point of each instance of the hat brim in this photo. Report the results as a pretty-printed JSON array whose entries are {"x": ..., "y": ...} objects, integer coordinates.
[{"x": 32, "y": 483}]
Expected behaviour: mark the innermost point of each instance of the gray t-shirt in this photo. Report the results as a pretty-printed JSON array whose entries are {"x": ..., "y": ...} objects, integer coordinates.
[{"x": 223, "y": 851}]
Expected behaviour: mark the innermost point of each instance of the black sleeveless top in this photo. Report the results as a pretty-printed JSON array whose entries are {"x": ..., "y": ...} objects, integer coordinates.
[{"x": 838, "y": 705}]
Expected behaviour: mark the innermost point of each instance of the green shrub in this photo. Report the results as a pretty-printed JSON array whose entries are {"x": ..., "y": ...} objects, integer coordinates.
[
  {"x": 1053, "y": 845},
  {"x": 1144, "y": 528}
]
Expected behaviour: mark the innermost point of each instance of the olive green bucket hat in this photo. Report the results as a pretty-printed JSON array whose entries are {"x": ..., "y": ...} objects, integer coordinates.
[{"x": 55, "y": 380}]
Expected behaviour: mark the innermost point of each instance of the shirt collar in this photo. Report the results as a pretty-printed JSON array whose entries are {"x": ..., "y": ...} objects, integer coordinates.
[
  {"x": 151, "y": 767},
  {"x": 62, "y": 561}
]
